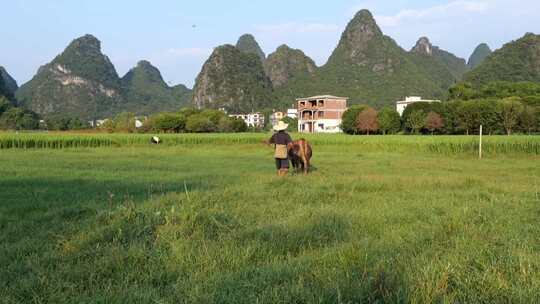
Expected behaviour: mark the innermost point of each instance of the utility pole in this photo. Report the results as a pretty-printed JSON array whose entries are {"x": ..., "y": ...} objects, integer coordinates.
[{"x": 480, "y": 145}]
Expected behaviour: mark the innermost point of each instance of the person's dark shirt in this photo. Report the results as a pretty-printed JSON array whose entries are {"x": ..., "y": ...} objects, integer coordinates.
[{"x": 280, "y": 138}]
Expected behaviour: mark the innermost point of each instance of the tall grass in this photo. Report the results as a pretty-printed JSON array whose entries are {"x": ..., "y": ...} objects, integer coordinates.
[
  {"x": 213, "y": 224},
  {"x": 433, "y": 144}
]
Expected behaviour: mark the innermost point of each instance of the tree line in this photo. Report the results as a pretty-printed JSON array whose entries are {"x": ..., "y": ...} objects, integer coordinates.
[
  {"x": 14, "y": 118},
  {"x": 500, "y": 107},
  {"x": 187, "y": 120}
]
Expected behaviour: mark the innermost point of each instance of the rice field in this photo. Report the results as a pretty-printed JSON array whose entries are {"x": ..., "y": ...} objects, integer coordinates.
[
  {"x": 435, "y": 144},
  {"x": 109, "y": 218}
]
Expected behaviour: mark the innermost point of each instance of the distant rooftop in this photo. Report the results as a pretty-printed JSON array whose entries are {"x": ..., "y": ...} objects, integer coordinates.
[
  {"x": 322, "y": 97},
  {"x": 415, "y": 99}
]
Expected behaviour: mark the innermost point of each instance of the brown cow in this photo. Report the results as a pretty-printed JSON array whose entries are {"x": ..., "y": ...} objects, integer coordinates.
[{"x": 300, "y": 153}]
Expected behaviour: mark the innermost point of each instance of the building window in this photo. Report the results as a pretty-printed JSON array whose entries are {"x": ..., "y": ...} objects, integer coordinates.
[
  {"x": 321, "y": 114},
  {"x": 321, "y": 126}
]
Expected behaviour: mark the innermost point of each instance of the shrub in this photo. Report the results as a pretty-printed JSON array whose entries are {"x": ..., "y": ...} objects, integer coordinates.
[
  {"x": 64, "y": 123},
  {"x": 125, "y": 122},
  {"x": 19, "y": 119},
  {"x": 169, "y": 122},
  {"x": 200, "y": 123},
  {"x": 238, "y": 125},
  {"x": 225, "y": 125},
  {"x": 108, "y": 125},
  {"x": 292, "y": 122}
]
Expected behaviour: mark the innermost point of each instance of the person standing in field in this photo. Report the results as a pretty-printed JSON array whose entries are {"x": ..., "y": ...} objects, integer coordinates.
[{"x": 281, "y": 139}]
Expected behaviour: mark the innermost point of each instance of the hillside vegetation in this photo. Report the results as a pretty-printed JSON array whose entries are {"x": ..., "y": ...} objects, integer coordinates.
[
  {"x": 82, "y": 82},
  {"x": 480, "y": 53},
  {"x": 516, "y": 61}
]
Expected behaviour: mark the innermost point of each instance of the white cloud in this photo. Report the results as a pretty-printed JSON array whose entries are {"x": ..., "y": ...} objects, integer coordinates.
[
  {"x": 434, "y": 13},
  {"x": 455, "y": 25}
]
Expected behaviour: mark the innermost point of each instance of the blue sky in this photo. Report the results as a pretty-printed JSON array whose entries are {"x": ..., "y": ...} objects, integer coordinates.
[{"x": 178, "y": 36}]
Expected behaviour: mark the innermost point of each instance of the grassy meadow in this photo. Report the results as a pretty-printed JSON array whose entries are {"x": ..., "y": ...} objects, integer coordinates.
[{"x": 204, "y": 219}]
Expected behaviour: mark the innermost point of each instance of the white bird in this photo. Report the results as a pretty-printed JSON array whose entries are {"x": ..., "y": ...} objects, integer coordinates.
[{"x": 156, "y": 140}]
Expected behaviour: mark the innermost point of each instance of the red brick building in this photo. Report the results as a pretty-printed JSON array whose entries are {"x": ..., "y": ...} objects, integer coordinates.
[{"x": 321, "y": 114}]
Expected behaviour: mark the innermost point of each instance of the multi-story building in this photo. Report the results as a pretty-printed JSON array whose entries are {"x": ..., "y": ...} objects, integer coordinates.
[
  {"x": 255, "y": 120},
  {"x": 403, "y": 104},
  {"x": 321, "y": 114}
]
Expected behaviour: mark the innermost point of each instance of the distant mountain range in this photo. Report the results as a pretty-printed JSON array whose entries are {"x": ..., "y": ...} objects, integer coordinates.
[
  {"x": 516, "y": 61},
  {"x": 83, "y": 82},
  {"x": 366, "y": 66},
  {"x": 233, "y": 80},
  {"x": 8, "y": 85},
  {"x": 481, "y": 52}
]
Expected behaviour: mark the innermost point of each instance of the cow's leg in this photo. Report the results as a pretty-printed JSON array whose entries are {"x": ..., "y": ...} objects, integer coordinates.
[
  {"x": 295, "y": 164},
  {"x": 305, "y": 165}
]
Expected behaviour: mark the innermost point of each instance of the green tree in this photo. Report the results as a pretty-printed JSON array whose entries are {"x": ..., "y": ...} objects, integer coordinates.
[
  {"x": 238, "y": 125},
  {"x": 488, "y": 116},
  {"x": 125, "y": 122},
  {"x": 64, "y": 123},
  {"x": 57, "y": 123},
  {"x": 200, "y": 123},
  {"x": 169, "y": 122},
  {"x": 187, "y": 112},
  {"x": 76, "y": 123},
  {"x": 389, "y": 120},
  {"x": 108, "y": 125},
  {"x": 529, "y": 119},
  {"x": 292, "y": 122},
  {"x": 510, "y": 110},
  {"x": 462, "y": 91},
  {"x": 4, "y": 105},
  {"x": 467, "y": 116},
  {"x": 214, "y": 116},
  {"x": 426, "y": 107},
  {"x": 19, "y": 119},
  {"x": 416, "y": 121},
  {"x": 225, "y": 125},
  {"x": 348, "y": 122}
]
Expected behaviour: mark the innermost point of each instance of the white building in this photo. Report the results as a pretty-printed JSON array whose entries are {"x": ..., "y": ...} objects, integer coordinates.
[
  {"x": 100, "y": 122},
  {"x": 292, "y": 113},
  {"x": 252, "y": 119},
  {"x": 403, "y": 104}
]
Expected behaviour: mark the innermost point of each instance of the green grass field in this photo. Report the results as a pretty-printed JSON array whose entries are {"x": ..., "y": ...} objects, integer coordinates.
[{"x": 381, "y": 219}]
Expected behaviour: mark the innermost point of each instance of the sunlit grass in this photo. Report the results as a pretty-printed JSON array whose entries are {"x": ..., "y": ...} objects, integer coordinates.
[{"x": 213, "y": 224}]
